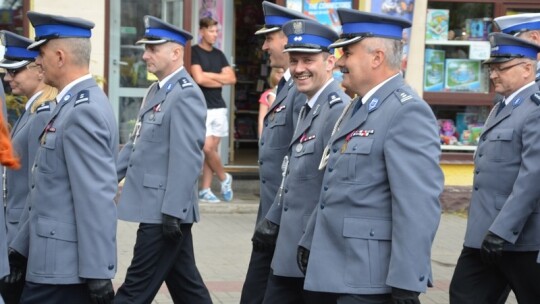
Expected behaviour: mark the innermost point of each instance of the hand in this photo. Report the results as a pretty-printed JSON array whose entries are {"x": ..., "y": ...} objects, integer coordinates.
[
  {"x": 17, "y": 267},
  {"x": 302, "y": 258},
  {"x": 492, "y": 248},
  {"x": 403, "y": 296},
  {"x": 265, "y": 236},
  {"x": 101, "y": 291},
  {"x": 171, "y": 227}
]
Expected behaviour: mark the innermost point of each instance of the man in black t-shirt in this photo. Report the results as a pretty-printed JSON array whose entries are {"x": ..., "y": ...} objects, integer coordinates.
[{"x": 211, "y": 71}]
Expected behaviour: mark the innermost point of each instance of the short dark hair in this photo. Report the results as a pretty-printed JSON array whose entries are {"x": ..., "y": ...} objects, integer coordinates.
[{"x": 207, "y": 22}]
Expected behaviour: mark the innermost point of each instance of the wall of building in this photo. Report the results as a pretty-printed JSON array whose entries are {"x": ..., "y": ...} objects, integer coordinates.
[{"x": 91, "y": 10}]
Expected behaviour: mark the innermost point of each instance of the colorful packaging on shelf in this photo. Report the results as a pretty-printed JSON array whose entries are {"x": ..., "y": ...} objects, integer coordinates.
[
  {"x": 434, "y": 70},
  {"x": 462, "y": 75},
  {"x": 478, "y": 28},
  {"x": 437, "y": 24}
]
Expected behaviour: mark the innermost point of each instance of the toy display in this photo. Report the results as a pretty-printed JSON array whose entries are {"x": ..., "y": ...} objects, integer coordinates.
[
  {"x": 437, "y": 24},
  {"x": 434, "y": 70},
  {"x": 462, "y": 75},
  {"x": 447, "y": 132},
  {"x": 478, "y": 28}
]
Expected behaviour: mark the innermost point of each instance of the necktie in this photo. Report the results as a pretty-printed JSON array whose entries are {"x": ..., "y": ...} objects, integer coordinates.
[
  {"x": 357, "y": 106},
  {"x": 280, "y": 85},
  {"x": 501, "y": 106}
]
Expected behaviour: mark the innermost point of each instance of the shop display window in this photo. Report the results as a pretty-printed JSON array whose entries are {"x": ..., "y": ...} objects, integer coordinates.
[{"x": 456, "y": 84}]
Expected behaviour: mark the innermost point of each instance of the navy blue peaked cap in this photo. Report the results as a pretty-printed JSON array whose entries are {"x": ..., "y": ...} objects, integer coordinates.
[
  {"x": 505, "y": 47},
  {"x": 356, "y": 25},
  {"x": 275, "y": 16},
  {"x": 158, "y": 31},
  {"x": 53, "y": 26},
  {"x": 308, "y": 36},
  {"x": 16, "y": 54}
]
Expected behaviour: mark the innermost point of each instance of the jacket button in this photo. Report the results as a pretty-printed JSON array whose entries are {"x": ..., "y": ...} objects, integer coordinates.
[
  {"x": 476, "y": 188},
  {"x": 285, "y": 209},
  {"x": 263, "y": 181},
  {"x": 111, "y": 267},
  {"x": 330, "y": 169},
  {"x": 322, "y": 206},
  {"x": 480, "y": 155},
  {"x": 53, "y": 232},
  {"x": 262, "y": 143},
  {"x": 335, "y": 150},
  {"x": 325, "y": 188},
  {"x": 185, "y": 210},
  {"x": 286, "y": 190},
  {"x": 477, "y": 171},
  {"x": 372, "y": 233},
  {"x": 421, "y": 278},
  {"x": 515, "y": 232},
  {"x": 33, "y": 186},
  {"x": 260, "y": 162}
]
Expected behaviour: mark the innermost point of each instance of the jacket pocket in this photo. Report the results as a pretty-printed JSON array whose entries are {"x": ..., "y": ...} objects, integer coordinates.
[
  {"x": 56, "y": 251},
  {"x": 359, "y": 162},
  {"x": 47, "y": 154},
  {"x": 501, "y": 146},
  {"x": 154, "y": 192},
  {"x": 368, "y": 248}
]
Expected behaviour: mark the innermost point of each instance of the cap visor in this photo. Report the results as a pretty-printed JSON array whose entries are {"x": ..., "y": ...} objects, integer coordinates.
[
  {"x": 266, "y": 30},
  {"x": 343, "y": 42},
  {"x": 12, "y": 64},
  {"x": 36, "y": 44},
  {"x": 151, "y": 41},
  {"x": 302, "y": 50},
  {"x": 497, "y": 60}
]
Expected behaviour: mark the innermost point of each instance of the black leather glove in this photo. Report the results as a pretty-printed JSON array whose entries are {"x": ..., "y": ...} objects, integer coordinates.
[
  {"x": 492, "y": 248},
  {"x": 265, "y": 236},
  {"x": 101, "y": 291},
  {"x": 17, "y": 267},
  {"x": 403, "y": 296},
  {"x": 171, "y": 227},
  {"x": 302, "y": 258}
]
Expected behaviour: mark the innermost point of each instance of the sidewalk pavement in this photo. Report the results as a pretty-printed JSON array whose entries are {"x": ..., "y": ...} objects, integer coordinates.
[{"x": 223, "y": 247}]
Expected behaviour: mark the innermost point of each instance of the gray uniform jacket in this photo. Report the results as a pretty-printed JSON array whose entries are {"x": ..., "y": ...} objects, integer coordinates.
[
  {"x": 4, "y": 264},
  {"x": 505, "y": 192},
  {"x": 276, "y": 136},
  {"x": 379, "y": 208},
  {"x": 303, "y": 180},
  {"x": 25, "y": 138},
  {"x": 71, "y": 231},
  {"x": 162, "y": 167}
]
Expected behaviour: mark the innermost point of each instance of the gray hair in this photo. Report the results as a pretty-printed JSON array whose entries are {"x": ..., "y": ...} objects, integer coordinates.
[
  {"x": 80, "y": 49},
  {"x": 392, "y": 49}
]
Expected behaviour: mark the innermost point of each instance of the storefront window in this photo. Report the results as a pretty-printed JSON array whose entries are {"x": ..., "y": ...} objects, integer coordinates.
[{"x": 456, "y": 83}]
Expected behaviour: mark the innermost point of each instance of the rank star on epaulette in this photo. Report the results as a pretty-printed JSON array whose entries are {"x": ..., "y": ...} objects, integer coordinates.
[
  {"x": 536, "y": 98},
  {"x": 44, "y": 107},
  {"x": 405, "y": 97},
  {"x": 185, "y": 83},
  {"x": 333, "y": 99},
  {"x": 82, "y": 97}
]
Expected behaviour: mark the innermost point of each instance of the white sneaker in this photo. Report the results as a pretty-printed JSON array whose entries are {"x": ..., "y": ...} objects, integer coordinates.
[
  {"x": 206, "y": 196},
  {"x": 226, "y": 188}
]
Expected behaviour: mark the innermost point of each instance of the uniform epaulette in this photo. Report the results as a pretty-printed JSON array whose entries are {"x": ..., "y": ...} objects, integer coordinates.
[
  {"x": 82, "y": 97},
  {"x": 536, "y": 98},
  {"x": 404, "y": 96},
  {"x": 44, "y": 107},
  {"x": 333, "y": 98},
  {"x": 185, "y": 83}
]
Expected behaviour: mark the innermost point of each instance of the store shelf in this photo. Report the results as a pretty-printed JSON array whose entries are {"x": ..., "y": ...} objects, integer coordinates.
[
  {"x": 458, "y": 43},
  {"x": 454, "y": 148},
  {"x": 459, "y": 99}
]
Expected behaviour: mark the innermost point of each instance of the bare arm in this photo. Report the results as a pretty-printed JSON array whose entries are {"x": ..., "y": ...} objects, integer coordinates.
[{"x": 204, "y": 79}]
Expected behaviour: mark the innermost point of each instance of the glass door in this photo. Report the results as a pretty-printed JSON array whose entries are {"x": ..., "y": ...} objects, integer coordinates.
[{"x": 128, "y": 79}]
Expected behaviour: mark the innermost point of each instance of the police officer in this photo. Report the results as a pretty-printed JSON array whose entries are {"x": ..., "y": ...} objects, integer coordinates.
[
  {"x": 274, "y": 141},
  {"x": 371, "y": 236},
  {"x": 502, "y": 239},
  {"x": 525, "y": 26},
  {"x": 311, "y": 65},
  {"x": 26, "y": 80},
  {"x": 4, "y": 263},
  {"x": 70, "y": 236},
  {"x": 161, "y": 165}
]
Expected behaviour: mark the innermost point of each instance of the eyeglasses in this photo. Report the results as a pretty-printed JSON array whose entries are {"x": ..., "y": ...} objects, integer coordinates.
[
  {"x": 499, "y": 70},
  {"x": 14, "y": 72}
]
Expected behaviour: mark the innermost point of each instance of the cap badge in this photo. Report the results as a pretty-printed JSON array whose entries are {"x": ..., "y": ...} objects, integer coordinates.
[
  {"x": 298, "y": 28},
  {"x": 298, "y": 38}
]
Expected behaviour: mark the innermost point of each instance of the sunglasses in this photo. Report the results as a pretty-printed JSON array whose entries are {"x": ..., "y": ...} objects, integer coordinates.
[{"x": 14, "y": 72}]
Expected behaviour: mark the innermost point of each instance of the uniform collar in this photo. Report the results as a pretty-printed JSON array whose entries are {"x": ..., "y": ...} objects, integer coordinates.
[
  {"x": 513, "y": 95},
  {"x": 164, "y": 81},
  {"x": 64, "y": 93},
  {"x": 370, "y": 93}
]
